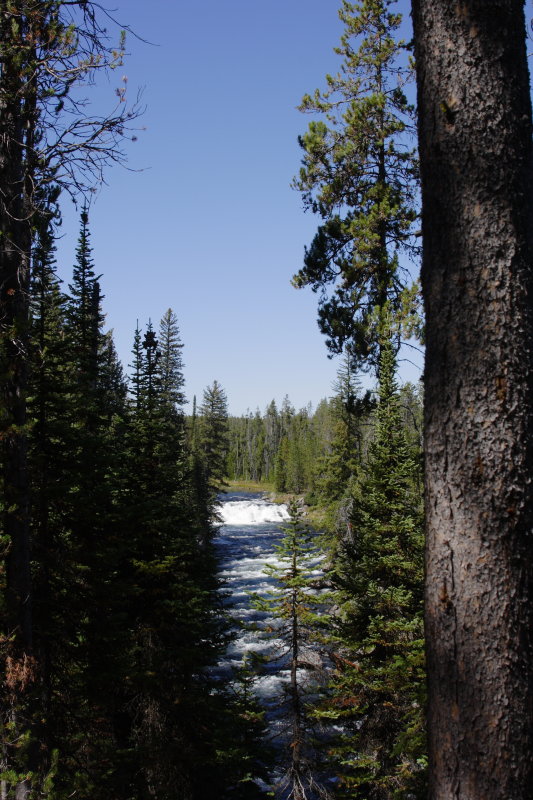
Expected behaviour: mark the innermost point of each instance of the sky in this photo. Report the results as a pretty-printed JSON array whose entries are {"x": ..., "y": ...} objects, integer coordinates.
[{"x": 204, "y": 219}]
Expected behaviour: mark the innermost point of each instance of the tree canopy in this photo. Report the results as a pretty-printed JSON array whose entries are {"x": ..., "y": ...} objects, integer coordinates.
[{"x": 359, "y": 174}]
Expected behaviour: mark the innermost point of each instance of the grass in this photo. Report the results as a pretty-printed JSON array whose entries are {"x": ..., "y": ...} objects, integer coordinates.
[
  {"x": 261, "y": 486},
  {"x": 250, "y": 486}
]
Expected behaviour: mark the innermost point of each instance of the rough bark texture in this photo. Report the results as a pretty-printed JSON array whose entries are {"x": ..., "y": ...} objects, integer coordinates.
[
  {"x": 17, "y": 123},
  {"x": 476, "y": 161},
  {"x": 17, "y": 128}
]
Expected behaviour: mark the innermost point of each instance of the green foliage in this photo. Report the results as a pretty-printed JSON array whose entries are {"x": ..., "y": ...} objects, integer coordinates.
[
  {"x": 212, "y": 438},
  {"x": 85, "y": 314},
  {"x": 283, "y": 447},
  {"x": 341, "y": 462},
  {"x": 316, "y": 454},
  {"x": 244, "y": 755},
  {"x": 172, "y": 609},
  {"x": 115, "y": 701},
  {"x": 136, "y": 386},
  {"x": 378, "y": 689},
  {"x": 359, "y": 174},
  {"x": 170, "y": 362},
  {"x": 126, "y": 605},
  {"x": 77, "y": 393},
  {"x": 294, "y": 605},
  {"x": 111, "y": 615}
]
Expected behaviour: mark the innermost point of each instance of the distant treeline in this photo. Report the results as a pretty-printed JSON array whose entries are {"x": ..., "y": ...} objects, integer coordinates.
[{"x": 318, "y": 451}]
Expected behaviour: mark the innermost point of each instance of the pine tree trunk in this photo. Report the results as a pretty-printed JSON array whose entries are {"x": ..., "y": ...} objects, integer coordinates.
[
  {"x": 15, "y": 246},
  {"x": 295, "y": 699},
  {"x": 17, "y": 128},
  {"x": 477, "y": 182}
]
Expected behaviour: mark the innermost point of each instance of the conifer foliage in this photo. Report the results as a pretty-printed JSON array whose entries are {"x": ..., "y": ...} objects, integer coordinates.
[
  {"x": 307, "y": 451},
  {"x": 359, "y": 175},
  {"x": 125, "y": 600},
  {"x": 279, "y": 447},
  {"x": 293, "y": 604},
  {"x": 125, "y": 596},
  {"x": 213, "y": 437},
  {"x": 110, "y": 605},
  {"x": 378, "y": 689},
  {"x": 48, "y": 141}
]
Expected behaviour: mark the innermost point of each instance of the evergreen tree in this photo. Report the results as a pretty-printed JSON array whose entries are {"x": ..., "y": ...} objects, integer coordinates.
[
  {"x": 236, "y": 449},
  {"x": 280, "y": 464},
  {"x": 137, "y": 368},
  {"x": 213, "y": 439},
  {"x": 151, "y": 365},
  {"x": 170, "y": 363},
  {"x": 300, "y": 451},
  {"x": 47, "y": 140},
  {"x": 272, "y": 436},
  {"x": 112, "y": 384},
  {"x": 257, "y": 446},
  {"x": 76, "y": 395},
  {"x": 341, "y": 463},
  {"x": 286, "y": 414},
  {"x": 175, "y": 632},
  {"x": 281, "y": 483},
  {"x": 50, "y": 386},
  {"x": 378, "y": 690},
  {"x": 85, "y": 684},
  {"x": 245, "y": 756},
  {"x": 293, "y": 603},
  {"x": 84, "y": 308},
  {"x": 283, "y": 447},
  {"x": 359, "y": 175}
]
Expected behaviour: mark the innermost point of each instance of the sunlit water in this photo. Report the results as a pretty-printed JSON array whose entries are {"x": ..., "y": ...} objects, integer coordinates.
[{"x": 251, "y": 528}]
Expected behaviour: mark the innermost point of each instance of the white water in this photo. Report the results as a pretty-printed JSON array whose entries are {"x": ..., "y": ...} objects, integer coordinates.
[
  {"x": 251, "y": 512},
  {"x": 246, "y": 541}
]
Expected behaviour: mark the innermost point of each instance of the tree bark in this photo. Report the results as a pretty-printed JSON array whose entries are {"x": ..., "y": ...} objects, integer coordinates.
[
  {"x": 17, "y": 130},
  {"x": 477, "y": 182},
  {"x": 17, "y": 125}
]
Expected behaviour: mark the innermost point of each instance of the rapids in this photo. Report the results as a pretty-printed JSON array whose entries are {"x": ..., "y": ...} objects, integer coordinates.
[
  {"x": 251, "y": 512},
  {"x": 246, "y": 540},
  {"x": 251, "y": 527}
]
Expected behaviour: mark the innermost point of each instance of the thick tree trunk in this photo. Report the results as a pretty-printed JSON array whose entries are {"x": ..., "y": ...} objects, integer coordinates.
[
  {"x": 17, "y": 111},
  {"x": 17, "y": 127},
  {"x": 477, "y": 182}
]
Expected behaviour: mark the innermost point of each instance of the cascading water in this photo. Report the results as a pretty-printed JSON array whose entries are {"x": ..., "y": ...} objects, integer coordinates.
[
  {"x": 246, "y": 540},
  {"x": 237, "y": 512},
  {"x": 251, "y": 527}
]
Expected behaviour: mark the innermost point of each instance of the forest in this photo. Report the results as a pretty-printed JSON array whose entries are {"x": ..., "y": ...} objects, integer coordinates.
[{"x": 401, "y": 579}]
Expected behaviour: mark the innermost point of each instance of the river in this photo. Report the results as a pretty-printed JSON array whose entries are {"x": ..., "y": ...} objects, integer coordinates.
[
  {"x": 250, "y": 530},
  {"x": 246, "y": 541}
]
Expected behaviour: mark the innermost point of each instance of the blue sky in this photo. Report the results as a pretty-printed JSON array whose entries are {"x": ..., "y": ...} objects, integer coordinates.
[{"x": 205, "y": 221}]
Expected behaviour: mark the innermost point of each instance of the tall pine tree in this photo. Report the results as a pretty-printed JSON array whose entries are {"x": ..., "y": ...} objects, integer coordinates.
[
  {"x": 378, "y": 689},
  {"x": 359, "y": 174},
  {"x": 214, "y": 436},
  {"x": 293, "y": 604}
]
